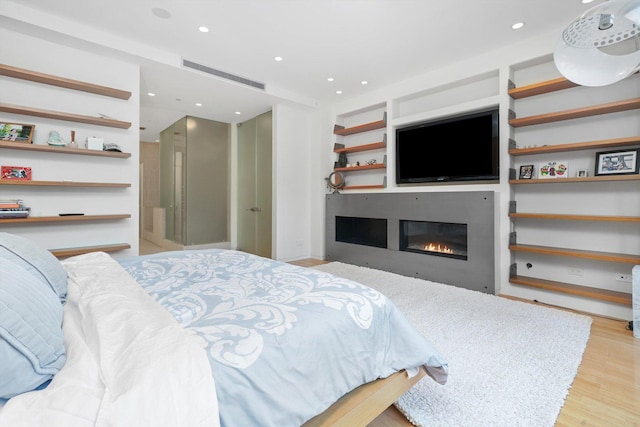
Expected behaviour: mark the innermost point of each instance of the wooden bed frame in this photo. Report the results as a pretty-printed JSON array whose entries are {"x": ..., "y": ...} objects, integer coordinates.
[{"x": 362, "y": 405}]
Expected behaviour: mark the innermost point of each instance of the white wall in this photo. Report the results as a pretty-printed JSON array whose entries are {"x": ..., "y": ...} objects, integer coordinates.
[
  {"x": 292, "y": 130},
  {"x": 47, "y": 57}
]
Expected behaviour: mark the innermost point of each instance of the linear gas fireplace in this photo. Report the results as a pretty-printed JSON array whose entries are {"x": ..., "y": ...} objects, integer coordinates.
[{"x": 444, "y": 239}]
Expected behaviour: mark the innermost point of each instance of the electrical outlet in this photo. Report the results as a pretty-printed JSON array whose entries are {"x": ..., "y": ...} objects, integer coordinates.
[
  {"x": 623, "y": 277},
  {"x": 575, "y": 271}
]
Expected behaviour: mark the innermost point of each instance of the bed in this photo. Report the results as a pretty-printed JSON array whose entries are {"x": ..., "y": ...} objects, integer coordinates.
[{"x": 211, "y": 337}]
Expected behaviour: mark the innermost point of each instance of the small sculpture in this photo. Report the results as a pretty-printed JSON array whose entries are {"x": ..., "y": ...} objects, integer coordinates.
[{"x": 55, "y": 139}]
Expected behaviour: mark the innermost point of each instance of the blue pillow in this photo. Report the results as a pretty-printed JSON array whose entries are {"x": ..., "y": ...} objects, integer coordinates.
[
  {"x": 31, "y": 339},
  {"x": 36, "y": 260}
]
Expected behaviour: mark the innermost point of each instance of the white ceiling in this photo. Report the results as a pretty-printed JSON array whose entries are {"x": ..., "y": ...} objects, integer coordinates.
[{"x": 380, "y": 41}]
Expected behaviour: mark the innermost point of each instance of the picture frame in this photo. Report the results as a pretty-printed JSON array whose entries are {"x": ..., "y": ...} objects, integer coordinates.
[
  {"x": 18, "y": 173},
  {"x": 553, "y": 169},
  {"x": 582, "y": 173},
  {"x": 526, "y": 172},
  {"x": 617, "y": 162},
  {"x": 17, "y": 132}
]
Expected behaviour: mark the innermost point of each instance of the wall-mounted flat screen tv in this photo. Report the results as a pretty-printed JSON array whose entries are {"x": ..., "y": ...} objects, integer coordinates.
[{"x": 461, "y": 148}]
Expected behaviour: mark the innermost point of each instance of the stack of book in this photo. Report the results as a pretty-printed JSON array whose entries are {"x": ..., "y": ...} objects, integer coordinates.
[{"x": 13, "y": 209}]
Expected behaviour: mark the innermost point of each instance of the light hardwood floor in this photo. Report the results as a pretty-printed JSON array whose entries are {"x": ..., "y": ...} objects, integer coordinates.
[{"x": 606, "y": 390}]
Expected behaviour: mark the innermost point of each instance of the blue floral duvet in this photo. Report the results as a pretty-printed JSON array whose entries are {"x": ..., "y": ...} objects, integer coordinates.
[{"x": 284, "y": 342}]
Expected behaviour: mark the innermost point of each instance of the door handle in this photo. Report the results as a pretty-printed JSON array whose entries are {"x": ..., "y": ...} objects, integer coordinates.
[{"x": 255, "y": 209}]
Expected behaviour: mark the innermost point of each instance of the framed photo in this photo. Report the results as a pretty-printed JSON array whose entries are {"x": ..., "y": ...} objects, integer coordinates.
[
  {"x": 15, "y": 172},
  {"x": 526, "y": 172},
  {"x": 17, "y": 132},
  {"x": 582, "y": 173},
  {"x": 553, "y": 169},
  {"x": 617, "y": 162}
]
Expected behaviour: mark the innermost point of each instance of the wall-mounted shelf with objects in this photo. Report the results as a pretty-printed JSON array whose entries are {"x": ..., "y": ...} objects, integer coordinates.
[
  {"x": 538, "y": 223},
  {"x": 340, "y": 148},
  {"x": 62, "y": 150},
  {"x": 69, "y": 117},
  {"x": 64, "y": 183},
  {"x": 64, "y": 218}
]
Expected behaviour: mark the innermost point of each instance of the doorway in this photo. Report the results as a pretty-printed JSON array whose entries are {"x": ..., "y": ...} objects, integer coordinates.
[{"x": 254, "y": 185}]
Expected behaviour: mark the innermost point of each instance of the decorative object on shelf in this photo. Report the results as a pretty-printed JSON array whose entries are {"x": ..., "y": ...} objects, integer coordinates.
[
  {"x": 336, "y": 181},
  {"x": 72, "y": 143},
  {"x": 372, "y": 162},
  {"x": 94, "y": 143},
  {"x": 553, "y": 169},
  {"x": 55, "y": 139},
  {"x": 582, "y": 173},
  {"x": 18, "y": 132},
  {"x": 110, "y": 146},
  {"x": 15, "y": 172},
  {"x": 13, "y": 209},
  {"x": 342, "y": 160},
  {"x": 526, "y": 172},
  {"x": 617, "y": 162},
  {"x": 601, "y": 46}
]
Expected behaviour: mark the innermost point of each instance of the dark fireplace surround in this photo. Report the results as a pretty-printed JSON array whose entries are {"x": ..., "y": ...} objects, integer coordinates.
[{"x": 445, "y": 237}]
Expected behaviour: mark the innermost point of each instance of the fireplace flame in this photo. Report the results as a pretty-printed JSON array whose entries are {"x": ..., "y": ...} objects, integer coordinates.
[{"x": 437, "y": 247}]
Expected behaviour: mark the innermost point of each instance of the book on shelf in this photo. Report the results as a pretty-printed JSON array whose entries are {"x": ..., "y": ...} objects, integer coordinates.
[{"x": 13, "y": 209}]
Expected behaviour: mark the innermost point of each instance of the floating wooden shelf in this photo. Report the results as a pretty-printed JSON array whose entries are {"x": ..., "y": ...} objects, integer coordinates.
[
  {"x": 611, "y": 107},
  {"x": 358, "y": 148},
  {"x": 64, "y": 183},
  {"x": 362, "y": 168},
  {"x": 570, "y": 217},
  {"x": 578, "y": 253},
  {"x": 34, "y": 76},
  {"x": 540, "y": 88},
  {"x": 68, "y": 252},
  {"x": 67, "y": 218},
  {"x": 363, "y": 187},
  {"x": 604, "y": 178},
  {"x": 380, "y": 124},
  {"x": 61, "y": 150},
  {"x": 50, "y": 114},
  {"x": 568, "y": 288},
  {"x": 576, "y": 146}
]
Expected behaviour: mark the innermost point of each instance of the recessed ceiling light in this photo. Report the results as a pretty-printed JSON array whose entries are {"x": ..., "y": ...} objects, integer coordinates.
[
  {"x": 151, "y": 94},
  {"x": 203, "y": 29},
  {"x": 517, "y": 25},
  {"x": 364, "y": 82},
  {"x": 586, "y": 1},
  {"x": 339, "y": 92},
  {"x": 238, "y": 112},
  {"x": 161, "y": 13},
  {"x": 330, "y": 79},
  {"x": 198, "y": 104},
  {"x": 278, "y": 58}
]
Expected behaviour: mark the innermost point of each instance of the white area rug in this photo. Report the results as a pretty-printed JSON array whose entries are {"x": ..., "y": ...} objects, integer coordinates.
[{"x": 510, "y": 363}]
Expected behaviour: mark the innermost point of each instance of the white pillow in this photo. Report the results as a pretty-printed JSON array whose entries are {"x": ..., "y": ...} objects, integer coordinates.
[
  {"x": 31, "y": 339},
  {"x": 36, "y": 260}
]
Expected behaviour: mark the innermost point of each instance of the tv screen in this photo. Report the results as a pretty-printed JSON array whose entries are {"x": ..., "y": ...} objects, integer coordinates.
[{"x": 461, "y": 148}]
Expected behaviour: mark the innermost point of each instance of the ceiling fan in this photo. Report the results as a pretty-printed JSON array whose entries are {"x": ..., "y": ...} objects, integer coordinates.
[{"x": 601, "y": 46}]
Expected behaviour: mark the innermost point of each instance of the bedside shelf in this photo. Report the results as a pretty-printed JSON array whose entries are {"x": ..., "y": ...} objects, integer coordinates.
[
  {"x": 50, "y": 114},
  {"x": 339, "y": 148},
  {"x": 61, "y": 150},
  {"x": 68, "y": 218},
  {"x": 380, "y": 124},
  {"x": 69, "y": 252},
  {"x": 362, "y": 168},
  {"x": 540, "y": 88},
  {"x": 64, "y": 183}
]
